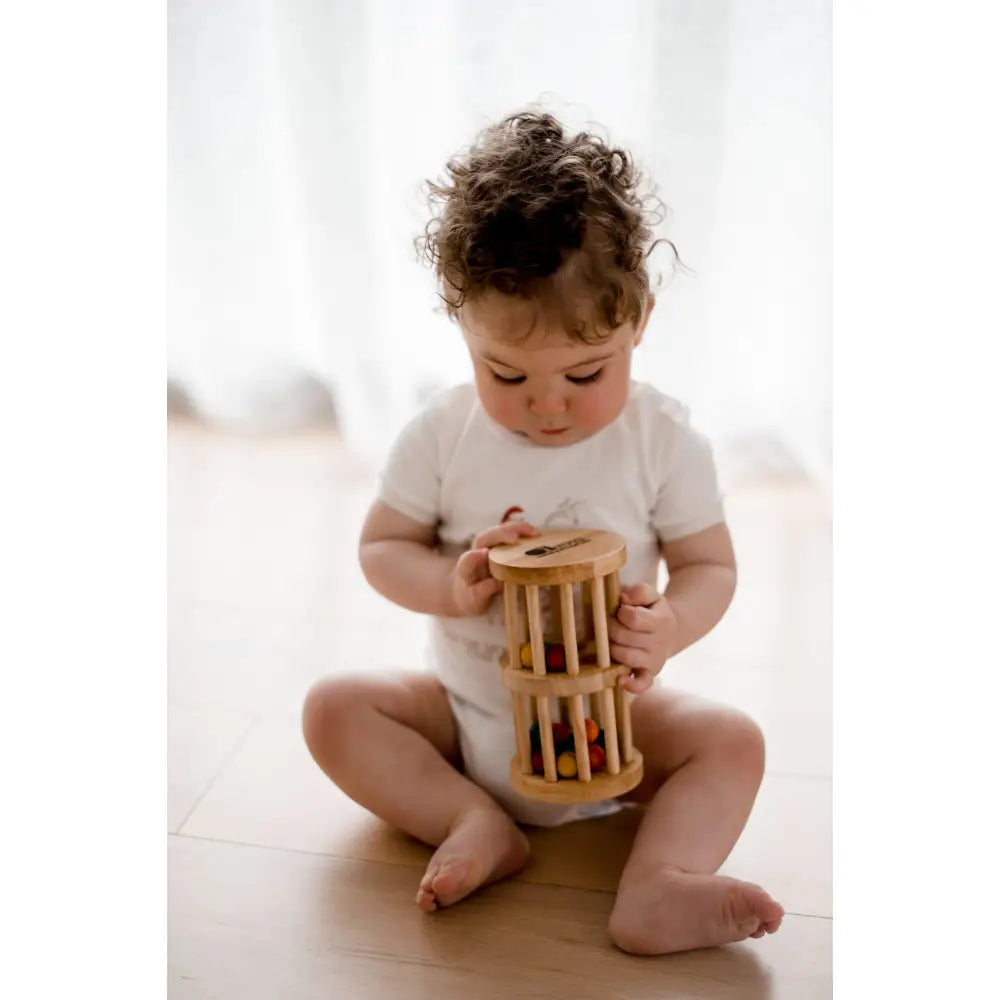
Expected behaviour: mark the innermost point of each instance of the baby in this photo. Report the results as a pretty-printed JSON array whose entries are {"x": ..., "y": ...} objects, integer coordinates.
[{"x": 540, "y": 246}]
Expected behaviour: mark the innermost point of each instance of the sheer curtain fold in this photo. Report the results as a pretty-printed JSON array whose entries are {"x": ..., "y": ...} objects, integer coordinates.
[{"x": 300, "y": 132}]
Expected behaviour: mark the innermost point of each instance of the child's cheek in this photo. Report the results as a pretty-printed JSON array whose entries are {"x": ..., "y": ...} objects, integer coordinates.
[
  {"x": 595, "y": 406},
  {"x": 603, "y": 403},
  {"x": 499, "y": 404}
]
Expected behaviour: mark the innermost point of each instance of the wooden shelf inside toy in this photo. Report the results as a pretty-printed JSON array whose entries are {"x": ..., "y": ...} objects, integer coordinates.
[{"x": 589, "y": 680}]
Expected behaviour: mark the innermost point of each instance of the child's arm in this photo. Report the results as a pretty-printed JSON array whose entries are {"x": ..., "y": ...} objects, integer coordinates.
[
  {"x": 399, "y": 558},
  {"x": 702, "y": 570},
  {"x": 650, "y": 628}
]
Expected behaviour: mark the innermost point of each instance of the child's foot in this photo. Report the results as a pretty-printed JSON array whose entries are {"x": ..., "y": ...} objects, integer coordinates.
[
  {"x": 484, "y": 846},
  {"x": 676, "y": 911}
]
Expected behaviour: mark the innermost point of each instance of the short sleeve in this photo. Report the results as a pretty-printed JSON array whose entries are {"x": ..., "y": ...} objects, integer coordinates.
[
  {"x": 410, "y": 482},
  {"x": 688, "y": 499}
]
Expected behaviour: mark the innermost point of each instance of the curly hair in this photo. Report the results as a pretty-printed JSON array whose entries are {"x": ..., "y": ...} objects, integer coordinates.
[{"x": 532, "y": 212}]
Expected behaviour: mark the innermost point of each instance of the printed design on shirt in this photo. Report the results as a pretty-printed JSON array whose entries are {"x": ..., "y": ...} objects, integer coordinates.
[
  {"x": 564, "y": 516},
  {"x": 476, "y": 650}
]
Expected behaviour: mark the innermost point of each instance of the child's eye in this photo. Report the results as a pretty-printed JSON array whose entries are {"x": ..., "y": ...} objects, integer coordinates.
[
  {"x": 584, "y": 379},
  {"x": 515, "y": 380}
]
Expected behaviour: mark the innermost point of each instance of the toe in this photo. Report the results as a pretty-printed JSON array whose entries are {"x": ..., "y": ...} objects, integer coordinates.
[
  {"x": 426, "y": 901},
  {"x": 428, "y": 880},
  {"x": 449, "y": 882}
]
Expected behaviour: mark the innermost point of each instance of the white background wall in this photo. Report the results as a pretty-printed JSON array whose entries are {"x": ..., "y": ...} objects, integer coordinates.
[{"x": 301, "y": 130}]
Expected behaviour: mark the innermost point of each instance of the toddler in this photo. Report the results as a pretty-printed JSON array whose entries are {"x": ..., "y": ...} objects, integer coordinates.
[{"x": 540, "y": 244}]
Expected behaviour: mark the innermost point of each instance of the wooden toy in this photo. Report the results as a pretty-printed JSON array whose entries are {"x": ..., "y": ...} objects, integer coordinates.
[{"x": 559, "y": 671}]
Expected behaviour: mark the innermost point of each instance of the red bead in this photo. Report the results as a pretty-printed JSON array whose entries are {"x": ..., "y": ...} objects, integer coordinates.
[{"x": 555, "y": 656}]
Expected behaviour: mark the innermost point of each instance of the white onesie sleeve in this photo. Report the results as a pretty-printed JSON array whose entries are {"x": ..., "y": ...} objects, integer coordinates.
[
  {"x": 688, "y": 499},
  {"x": 411, "y": 479}
]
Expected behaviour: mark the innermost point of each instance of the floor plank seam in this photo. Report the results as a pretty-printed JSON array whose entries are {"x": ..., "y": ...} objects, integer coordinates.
[
  {"x": 237, "y": 746},
  {"x": 287, "y": 850},
  {"x": 403, "y": 864}
]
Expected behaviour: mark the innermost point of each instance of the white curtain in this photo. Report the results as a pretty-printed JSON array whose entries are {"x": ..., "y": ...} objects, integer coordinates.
[{"x": 300, "y": 132}]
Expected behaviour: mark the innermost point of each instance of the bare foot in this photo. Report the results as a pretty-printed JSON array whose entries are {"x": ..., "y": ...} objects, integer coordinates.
[
  {"x": 484, "y": 846},
  {"x": 676, "y": 911}
]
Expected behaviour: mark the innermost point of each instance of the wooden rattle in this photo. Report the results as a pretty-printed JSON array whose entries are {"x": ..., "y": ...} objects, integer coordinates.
[{"x": 554, "y": 674}]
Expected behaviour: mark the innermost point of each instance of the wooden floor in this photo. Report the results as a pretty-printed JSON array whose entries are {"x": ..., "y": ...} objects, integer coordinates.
[{"x": 280, "y": 887}]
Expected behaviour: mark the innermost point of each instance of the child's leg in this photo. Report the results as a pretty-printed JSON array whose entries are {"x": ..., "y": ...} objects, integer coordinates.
[
  {"x": 390, "y": 743},
  {"x": 703, "y": 765}
]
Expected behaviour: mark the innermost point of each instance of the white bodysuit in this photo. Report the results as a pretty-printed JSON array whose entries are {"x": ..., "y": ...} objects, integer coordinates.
[{"x": 649, "y": 476}]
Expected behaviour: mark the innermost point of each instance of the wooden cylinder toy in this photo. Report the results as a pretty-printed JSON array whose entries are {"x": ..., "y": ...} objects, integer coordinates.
[{"x": 563, "y": 585}]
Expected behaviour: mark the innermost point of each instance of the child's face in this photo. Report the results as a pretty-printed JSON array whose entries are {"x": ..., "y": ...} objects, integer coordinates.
[{"x": 550, "y": 389}]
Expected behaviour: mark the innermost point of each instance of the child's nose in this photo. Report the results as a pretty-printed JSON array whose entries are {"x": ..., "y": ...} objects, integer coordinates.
[{"x": 548, "y": 401}]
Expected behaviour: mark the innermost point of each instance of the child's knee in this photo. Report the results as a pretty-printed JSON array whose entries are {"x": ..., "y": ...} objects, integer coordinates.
[
  {"x": 738, "y": 737},
  {"x": 326, "y": 705}
]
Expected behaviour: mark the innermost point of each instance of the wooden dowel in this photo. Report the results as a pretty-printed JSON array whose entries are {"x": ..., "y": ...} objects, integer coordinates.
[
  {"x": 535, "y": 633},
  {"x": 576, "y": 710},
  {"x": 587, "y": 607},
  {"x": 511, "y": 624},
  {"x": 600, "y": 622},
  {"x": 569, "y": 629},
  {"x": 519, "y": 703},
  {"x": 606, "y": 701},
  {"x": 610, "y": 731},
  {"x": 613, "y": 591},
  {"x": 579, "y": 737},
  {"x": 623, "y": 709},
  {"x": 548, "y": 744}
]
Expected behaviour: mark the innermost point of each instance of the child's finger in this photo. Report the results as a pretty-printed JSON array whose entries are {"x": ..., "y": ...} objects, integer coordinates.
[
  {"x": 635, "y": 619},
  {"x": 629, "y": 656},
  {"x": 638, "y": 682},
  {"x": 504, "y": 534},
  {"x": 622, "y": 635}
]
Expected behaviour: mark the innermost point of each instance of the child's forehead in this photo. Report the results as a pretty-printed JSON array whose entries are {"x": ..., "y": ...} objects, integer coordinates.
[
  {"x": 547, "y": 346},
  {"x": 522, "y": 324}
]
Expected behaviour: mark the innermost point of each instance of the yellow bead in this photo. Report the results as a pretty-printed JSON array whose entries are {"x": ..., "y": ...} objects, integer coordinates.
[
  {"x": 566, "y": 765},
  {"x": 526, "y": 655}
]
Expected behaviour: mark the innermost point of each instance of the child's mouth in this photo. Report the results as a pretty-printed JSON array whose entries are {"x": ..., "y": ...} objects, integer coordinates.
[{"x": 559, "y": 430}]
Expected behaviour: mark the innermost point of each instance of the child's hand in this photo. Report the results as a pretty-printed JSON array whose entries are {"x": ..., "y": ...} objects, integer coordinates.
[
  {"x": 643, "y": 635},
  {"x": 472, "y": 586}
]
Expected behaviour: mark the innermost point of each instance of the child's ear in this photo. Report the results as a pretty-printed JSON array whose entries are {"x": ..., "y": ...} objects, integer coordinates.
[{"x": 641, "y": 328}]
